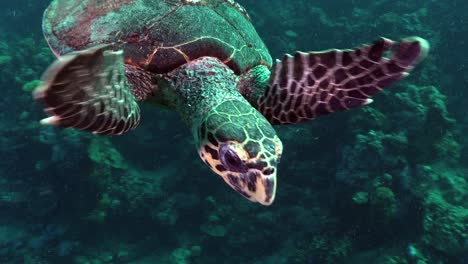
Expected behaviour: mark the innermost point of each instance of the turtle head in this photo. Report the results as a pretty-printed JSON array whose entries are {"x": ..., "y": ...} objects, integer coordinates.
[{"x": 242, "y": 147}]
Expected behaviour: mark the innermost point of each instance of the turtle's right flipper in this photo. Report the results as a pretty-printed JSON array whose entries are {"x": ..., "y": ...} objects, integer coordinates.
[
  {"x": 308, "y": 85},
  {"x": 88, "y": 90}
]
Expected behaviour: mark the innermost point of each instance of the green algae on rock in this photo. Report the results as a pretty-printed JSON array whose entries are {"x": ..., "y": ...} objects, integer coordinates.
[
  {"x": 103, "y": 152},
  {"x": 361, "y": 198},
  {"x": 31, "y": 86},
  {"x": 445, "y": 225},
  {"x": 5, "y": 59},
  {"x": 445, "y": 219}
]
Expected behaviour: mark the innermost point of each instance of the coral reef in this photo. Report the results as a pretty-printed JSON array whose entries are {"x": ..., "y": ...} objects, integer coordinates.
[{"x": 445, "y": 219}]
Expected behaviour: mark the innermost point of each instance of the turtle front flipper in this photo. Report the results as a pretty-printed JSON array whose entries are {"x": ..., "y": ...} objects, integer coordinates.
[
  {"x": 308, "y": 85},
  {"x": 88, "y": 90}
]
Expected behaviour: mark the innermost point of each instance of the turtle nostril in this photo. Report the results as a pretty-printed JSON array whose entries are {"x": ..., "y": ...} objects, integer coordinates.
[{"x": 268, "y": 171}]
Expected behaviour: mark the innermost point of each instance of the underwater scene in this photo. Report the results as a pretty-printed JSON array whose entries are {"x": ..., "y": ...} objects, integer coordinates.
[{"x": 168, "y": 132}]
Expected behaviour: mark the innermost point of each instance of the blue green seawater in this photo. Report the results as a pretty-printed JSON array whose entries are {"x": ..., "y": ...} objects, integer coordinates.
[{"x": 384, "y": 184}]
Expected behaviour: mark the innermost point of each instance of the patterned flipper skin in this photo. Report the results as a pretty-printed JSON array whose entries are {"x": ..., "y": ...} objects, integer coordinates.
[
  {"x": 307, "y": 85},
  {"x": 88, "y": 90}
]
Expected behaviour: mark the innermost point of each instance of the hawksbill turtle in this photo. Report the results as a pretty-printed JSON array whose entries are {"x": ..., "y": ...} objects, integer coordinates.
[{"x": 205, "y": 60}]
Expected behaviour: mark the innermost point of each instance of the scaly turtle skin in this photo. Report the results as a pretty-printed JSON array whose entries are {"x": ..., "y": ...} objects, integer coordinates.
[{"x": 203, "y": 59}]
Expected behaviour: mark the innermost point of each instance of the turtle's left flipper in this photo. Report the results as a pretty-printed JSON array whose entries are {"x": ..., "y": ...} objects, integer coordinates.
[
  {"x": 308, "y": 85},
  {"x": 88, "y": 90}
]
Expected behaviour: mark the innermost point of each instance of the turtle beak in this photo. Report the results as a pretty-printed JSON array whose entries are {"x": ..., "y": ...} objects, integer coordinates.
[
  {"x": 255, "y": 186},
  {"x": 266, "y": 190}
]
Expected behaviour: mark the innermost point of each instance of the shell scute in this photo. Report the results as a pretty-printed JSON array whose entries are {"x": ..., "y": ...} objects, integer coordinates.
[{"x": 160, "y": 35}]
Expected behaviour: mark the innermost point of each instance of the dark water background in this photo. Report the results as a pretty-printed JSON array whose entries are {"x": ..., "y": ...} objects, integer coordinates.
[{"x": 382, "y": 184}]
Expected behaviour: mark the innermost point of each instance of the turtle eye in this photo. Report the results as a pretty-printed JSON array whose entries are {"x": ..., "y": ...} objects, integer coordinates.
[{"x": 231, "y": 160}]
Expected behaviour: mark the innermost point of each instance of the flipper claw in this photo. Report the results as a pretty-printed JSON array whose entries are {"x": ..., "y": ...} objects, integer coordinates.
[{"x": 50, "y": 121}]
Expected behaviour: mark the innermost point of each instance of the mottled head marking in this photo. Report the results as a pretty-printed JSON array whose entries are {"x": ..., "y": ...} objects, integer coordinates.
[{"x": 241, "y": 146}]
